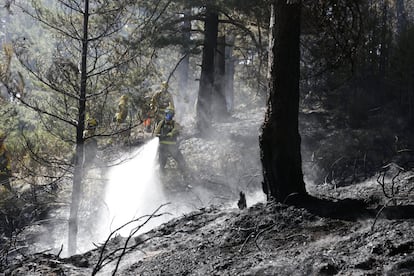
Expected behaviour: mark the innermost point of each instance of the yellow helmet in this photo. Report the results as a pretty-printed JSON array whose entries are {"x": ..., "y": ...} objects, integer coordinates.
[
  {"x": 123, "y": 100},
  {"x": 170, "y": 106}
]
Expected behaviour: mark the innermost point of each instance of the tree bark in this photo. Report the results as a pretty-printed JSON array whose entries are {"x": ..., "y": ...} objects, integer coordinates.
[
  {"x": 219, "y": 107},
  {"x": 79, "y": 158},
  {"x": 280, "y": 139},
  {"x": 207, "y": 71}
]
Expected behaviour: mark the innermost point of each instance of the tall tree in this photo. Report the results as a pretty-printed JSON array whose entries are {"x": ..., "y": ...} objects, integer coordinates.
[
  {"x": 280, "y": 141},
  {"x": 207, "y": 70},
  {"x": 79, "y": 156},
  {"x": 217, "y": 61}
]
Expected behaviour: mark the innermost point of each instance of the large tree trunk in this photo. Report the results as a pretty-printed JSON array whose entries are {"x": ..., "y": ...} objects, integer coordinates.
[
  {"x": 280, "y": 139},
  {"x": 79, "y": 158},
  {"x": 207, "y": 71}
]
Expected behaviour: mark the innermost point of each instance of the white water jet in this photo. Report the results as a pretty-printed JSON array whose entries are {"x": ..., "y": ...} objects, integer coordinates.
[{"x": 134, "y": 190}]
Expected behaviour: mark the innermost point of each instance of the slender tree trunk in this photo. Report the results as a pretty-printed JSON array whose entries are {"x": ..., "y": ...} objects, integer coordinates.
[
  {"x": 383, "y": 64},
  {"x": 207, "y": 72},
  {"x": 229, "y": 75},
  {"x": 219, "y": 108},
  {"x": 401, "y": 17},
  {"x": 280, "y": 139},
  {"x": 79, "y": 159},
  {"x": 406, "y": 92}
]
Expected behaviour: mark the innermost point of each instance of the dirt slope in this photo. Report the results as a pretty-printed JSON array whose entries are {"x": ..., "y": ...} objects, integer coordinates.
[{"x": 265, "y": 239}]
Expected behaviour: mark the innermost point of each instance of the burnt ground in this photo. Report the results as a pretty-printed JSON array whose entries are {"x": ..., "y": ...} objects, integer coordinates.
[
  {"x": 264, "y": 239},
  {"x": 358, "y": 228}
]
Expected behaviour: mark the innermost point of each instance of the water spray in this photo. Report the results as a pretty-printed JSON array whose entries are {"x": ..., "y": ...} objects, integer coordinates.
[{"x": 134, "y": 190}]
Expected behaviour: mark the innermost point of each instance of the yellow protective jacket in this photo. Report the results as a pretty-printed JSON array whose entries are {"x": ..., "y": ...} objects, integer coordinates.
[
  {"x": 122, "y": 113},
  {"x": 121, "y": 116},
  {"x": 167, "y": 131},
  {"x": 159, "y": 103}
]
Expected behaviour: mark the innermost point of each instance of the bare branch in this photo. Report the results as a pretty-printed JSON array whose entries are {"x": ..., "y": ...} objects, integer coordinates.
[{"x": 125, "y": 249}]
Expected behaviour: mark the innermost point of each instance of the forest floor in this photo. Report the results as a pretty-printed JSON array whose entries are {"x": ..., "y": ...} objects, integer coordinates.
[{"x": 263, "y": 239}]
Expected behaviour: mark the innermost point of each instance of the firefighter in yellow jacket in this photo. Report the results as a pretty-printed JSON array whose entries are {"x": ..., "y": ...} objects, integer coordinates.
[
  {"x": 122, "y": 113},
  {"x": 5, "y": 163},
  {"x": 167, "y": 130},
  {"x": 120, "y": 118}
]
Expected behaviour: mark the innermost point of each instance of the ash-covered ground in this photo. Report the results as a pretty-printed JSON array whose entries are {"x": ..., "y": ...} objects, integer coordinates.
[
  {"x": 265, "y": 239},
  {"x": 216, "y": 238}
]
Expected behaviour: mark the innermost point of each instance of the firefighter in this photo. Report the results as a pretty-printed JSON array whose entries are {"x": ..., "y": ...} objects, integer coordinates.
[
  {"x": 161, "y": 100},
  {"x": 5, "y": 163},
  {"x": 167, "y": 130},
  {"x": 120, "y": 119},
  {"x": 122, "y": 113}
]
